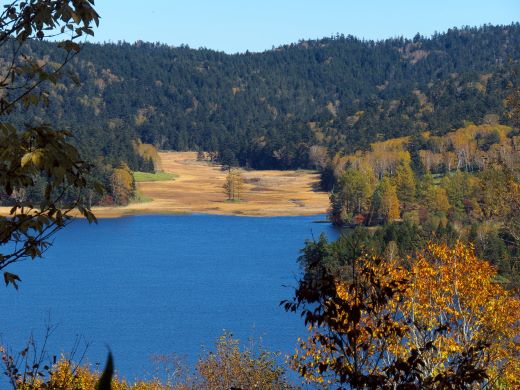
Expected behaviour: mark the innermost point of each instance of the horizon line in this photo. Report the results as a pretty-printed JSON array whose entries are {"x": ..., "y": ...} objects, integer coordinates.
[{"x": 302, "y": 40}]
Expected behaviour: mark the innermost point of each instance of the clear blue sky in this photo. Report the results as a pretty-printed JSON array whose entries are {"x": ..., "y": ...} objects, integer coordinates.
[{"x": 257, "y": 25}]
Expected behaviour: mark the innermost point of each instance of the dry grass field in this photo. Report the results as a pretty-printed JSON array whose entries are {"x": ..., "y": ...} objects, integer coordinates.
[{"x": 198, "y": 189}]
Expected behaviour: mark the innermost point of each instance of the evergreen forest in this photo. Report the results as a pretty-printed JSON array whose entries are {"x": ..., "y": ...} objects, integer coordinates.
[{"x": 266, "y": 110}]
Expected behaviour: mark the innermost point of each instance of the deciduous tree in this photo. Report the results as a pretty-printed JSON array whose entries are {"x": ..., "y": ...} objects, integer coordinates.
[
  {"x": 353, "y": 194},
  {"x": 123, "y": 184},
  {"x": 404, "y": 181},
  {"x": 437, "y": 200},
  {"x": 386, "y": 202},
  {"x": 452, "y": 289},
  {"x": 234, "y": 185},
  {"x": 233, "y": 367},
  {"x": 443, "y": 323},
  {"x": 37, "y": 157},
  {"x": 351, "y": 323}
]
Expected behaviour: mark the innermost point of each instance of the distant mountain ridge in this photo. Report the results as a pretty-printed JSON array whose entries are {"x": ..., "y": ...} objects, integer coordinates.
[{"x": 266, "y": 110}]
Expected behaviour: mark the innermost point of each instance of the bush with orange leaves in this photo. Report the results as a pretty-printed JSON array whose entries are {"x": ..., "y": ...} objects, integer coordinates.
[{"x": 441, "y": 322}]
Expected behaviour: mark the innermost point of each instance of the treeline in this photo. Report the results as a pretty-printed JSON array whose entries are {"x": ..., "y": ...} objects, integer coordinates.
[
  {"x": 267, "y": 110},
  {"x": 461, "y": 186}
]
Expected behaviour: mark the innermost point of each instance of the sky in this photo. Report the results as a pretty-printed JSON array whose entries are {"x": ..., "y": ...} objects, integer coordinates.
[{"x": 257, "y": 25}]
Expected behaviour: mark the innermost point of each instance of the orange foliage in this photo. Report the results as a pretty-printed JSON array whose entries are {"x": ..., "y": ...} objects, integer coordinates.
[
  {"x": 446, "y": 313},
  {"x": 362, "y": 318}
]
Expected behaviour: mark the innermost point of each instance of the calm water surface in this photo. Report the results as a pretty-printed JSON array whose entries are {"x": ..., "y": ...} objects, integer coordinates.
[{"x": 162, "y": 284}]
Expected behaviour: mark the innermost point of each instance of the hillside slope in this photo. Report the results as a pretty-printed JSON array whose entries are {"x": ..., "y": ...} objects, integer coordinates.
[{"x": 266, "y": 110}]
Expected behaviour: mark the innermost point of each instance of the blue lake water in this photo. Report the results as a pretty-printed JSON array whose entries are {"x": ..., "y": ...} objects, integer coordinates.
[{"x": 162, "y": 284}]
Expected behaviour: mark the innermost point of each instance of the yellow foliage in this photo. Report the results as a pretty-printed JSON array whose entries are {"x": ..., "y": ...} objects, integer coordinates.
[
  {"x": 387, "y": 201},
  {"x": 456, "y": 150},
  {"x": 123, "y": 184},
  {"x": 448, "y": 306},
  {"x": 147, "y": 152},
  {"x": 437, "y": 200},
  {"x": 66, "y": 375},
  {"x": 391, "y": 145},
  {"x": 231, "y": 367},
  {"x": 452, "y": 287}
]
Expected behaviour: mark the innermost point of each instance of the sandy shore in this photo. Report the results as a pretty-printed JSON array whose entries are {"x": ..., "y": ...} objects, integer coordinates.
[{"x": 198, "y": 189}]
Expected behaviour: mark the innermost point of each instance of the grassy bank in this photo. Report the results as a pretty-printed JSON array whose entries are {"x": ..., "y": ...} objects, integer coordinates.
[{"x": 140, "y": 177}]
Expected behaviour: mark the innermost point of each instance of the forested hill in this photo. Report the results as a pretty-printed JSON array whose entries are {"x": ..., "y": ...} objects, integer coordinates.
[{"x": 266, "y": 109}]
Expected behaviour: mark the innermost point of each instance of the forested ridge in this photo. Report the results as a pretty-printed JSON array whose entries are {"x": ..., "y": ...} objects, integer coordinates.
[{"x": 265, "y": 110}]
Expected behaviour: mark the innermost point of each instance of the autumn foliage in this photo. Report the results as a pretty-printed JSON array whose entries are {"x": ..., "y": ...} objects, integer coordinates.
[
  {"x": 441, "y": 322},
  {"x": 67, "y": 375},
  {"x": 123, "y": 184},
  {"x": 233, "y": 367},
  {"x": 452, "y": 288},
  {"x": 229, "y": 366}
]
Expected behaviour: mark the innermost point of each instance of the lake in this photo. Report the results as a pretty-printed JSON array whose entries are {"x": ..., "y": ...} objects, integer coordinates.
[{"x": 161, "y": 284}]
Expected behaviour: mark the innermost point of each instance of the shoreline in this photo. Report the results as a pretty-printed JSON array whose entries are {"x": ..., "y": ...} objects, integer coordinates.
[{"x": 129, "y": 211}]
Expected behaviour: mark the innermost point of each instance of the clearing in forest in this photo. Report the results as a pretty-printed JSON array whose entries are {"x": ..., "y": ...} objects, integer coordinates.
[{"x": 197, "y": 187}]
